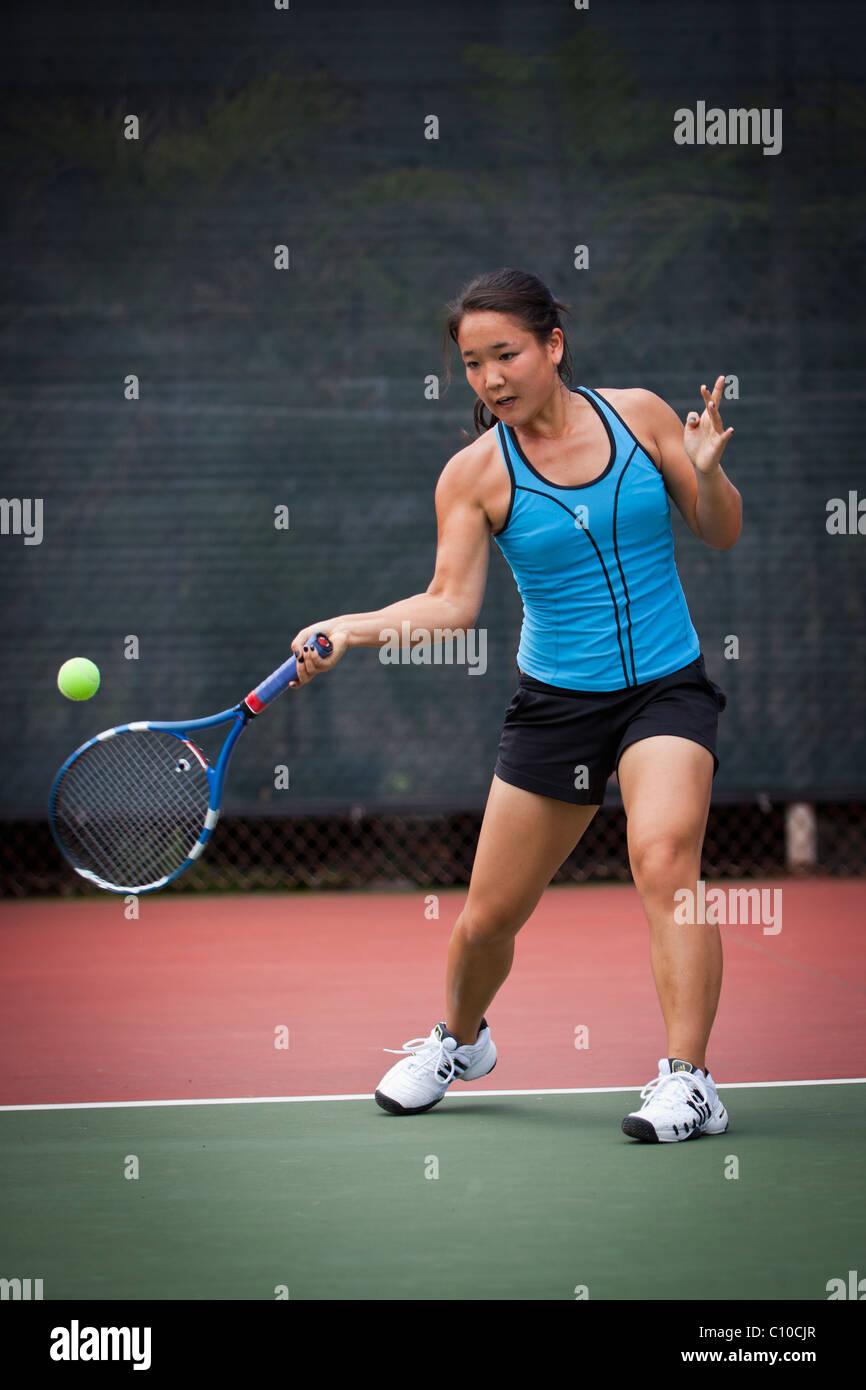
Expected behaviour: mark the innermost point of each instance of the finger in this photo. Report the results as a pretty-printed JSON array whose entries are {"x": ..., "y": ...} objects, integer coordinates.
[
  {"x": 303, "y": 641},
  {"x": 305, "y": 660},
  {"x": 713, "y": 404},
  {"x": 312, "y": 658},
  {"x": 718, "y": 446}
]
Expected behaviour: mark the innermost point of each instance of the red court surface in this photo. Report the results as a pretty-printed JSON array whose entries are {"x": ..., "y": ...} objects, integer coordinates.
[{"x": 186, "y": 1001}]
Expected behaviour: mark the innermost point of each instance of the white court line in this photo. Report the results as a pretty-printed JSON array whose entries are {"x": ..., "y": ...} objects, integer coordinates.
[{"x": 289, "y": 1100}]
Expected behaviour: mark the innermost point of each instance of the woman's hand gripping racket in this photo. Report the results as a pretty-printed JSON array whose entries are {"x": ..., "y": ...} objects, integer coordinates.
[{"x": 135, "y": 806}]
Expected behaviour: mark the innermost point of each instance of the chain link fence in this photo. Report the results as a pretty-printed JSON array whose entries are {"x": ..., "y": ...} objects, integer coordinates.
[{"x": 362, "y": 851}]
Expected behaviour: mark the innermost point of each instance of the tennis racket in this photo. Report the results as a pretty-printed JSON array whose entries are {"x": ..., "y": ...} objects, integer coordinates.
[{"x": 136, "y": 805}]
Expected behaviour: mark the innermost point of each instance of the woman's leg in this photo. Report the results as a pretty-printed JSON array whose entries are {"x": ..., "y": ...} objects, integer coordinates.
[
  {"x": 666, "y": 784},
  {"x": 524, "y": 839}
]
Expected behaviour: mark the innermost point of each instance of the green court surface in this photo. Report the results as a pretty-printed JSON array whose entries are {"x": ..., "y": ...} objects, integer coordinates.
[{"x": 538, "y": 1196}]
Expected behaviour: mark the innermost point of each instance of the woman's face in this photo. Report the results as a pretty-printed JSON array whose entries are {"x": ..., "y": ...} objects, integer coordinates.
[{"x": 506, "y": 366}]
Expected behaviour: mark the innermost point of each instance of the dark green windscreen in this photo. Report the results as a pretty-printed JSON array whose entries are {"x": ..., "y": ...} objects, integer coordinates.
[{"x": 308, "y": 388}]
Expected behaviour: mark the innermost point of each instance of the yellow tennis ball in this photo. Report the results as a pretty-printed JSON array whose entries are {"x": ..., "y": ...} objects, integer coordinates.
[{"x": 78, "y": 678}]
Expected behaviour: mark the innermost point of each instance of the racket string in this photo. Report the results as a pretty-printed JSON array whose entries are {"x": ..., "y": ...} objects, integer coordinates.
[{"x": 131, "y": 808}]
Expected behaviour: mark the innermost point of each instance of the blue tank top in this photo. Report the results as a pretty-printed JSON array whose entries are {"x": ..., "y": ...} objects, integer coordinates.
[{"x": 603, "y": 607}]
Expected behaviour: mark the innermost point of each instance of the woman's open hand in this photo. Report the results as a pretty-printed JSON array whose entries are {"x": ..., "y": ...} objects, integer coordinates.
[{"x": 704, "y": 439}]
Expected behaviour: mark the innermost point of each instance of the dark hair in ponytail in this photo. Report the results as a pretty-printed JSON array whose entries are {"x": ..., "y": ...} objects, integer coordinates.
[{"x": 519, "y": 296}]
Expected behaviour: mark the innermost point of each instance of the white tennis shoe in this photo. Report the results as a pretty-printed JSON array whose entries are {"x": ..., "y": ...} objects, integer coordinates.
[
  {"x": 680, "y": 1103},
  {"x": 420, "y": 1081}
]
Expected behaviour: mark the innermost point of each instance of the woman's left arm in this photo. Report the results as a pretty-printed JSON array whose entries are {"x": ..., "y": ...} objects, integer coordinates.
[{"x": 691, "y": 464}]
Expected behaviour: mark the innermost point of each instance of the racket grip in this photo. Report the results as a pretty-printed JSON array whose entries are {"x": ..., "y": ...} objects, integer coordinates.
[{"x": 280, "y": 680}]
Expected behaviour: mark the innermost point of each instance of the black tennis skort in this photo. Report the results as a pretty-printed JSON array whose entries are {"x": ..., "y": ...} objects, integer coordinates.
[{"x": 567, "y": 743}]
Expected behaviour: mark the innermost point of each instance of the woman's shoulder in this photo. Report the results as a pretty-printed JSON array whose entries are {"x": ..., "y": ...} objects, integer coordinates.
[
  {"x": 634, "y": 398},
  {"x": 474, "y": 457},
  {"x": 475, "y": 475},
  {"x": 637, "y": 408}
]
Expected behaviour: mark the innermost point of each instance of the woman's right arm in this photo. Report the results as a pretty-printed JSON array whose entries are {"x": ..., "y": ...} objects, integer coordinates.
[{"x": 453, "y": 597}]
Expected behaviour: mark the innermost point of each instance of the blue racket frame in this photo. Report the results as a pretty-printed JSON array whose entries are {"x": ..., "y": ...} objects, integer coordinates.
[{"x": 240, "y": 716}]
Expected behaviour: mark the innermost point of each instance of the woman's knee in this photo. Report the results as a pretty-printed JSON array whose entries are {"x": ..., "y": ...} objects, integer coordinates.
[
  {"x": 486, "y": 923},
  {"x": 662, "y": 858}
]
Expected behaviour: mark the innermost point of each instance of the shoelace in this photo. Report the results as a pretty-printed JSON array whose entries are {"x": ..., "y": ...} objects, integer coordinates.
[
  {"x": 438, "y": 1053},
  {"x": 677, "y": 1084}
]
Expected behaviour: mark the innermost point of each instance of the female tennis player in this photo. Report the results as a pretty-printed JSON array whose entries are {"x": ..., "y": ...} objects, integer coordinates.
[{"x": 573, "y": 485}]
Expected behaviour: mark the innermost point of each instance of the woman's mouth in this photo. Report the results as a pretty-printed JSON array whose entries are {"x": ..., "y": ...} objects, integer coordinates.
[{"x": 505, "y": 402}]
